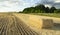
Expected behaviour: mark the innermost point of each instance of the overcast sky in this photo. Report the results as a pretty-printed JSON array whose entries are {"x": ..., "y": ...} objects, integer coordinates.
[{"x": 19, "y": 5}]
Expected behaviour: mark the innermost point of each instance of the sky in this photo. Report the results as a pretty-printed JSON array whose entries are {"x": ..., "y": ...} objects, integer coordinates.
[{"x": 19, "y": 5}]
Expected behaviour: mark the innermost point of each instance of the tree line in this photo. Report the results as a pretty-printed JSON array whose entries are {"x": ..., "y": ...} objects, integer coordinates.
[{"x": 41, "y": 9}]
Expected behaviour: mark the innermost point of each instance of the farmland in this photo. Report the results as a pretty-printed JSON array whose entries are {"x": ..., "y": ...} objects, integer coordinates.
[
  {"x": 12, "y": 24},
  {"x": 47, "y": 14},
  {"x": 55, "y": 30}
]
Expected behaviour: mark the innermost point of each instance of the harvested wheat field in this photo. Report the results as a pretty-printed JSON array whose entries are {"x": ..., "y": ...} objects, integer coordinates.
[
  {"x": 11, "y": 25},
  {"x": 18, "y": 24},
  {"x": 52, "y": 22}
]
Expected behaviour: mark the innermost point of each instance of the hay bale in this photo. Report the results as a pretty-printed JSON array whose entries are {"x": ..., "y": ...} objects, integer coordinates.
[
  {"x": 39, "y": 23},
  {"x": 47, "y": 23}
]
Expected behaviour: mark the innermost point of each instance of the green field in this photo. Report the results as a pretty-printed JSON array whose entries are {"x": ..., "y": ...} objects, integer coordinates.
[{"x": 48, "y": 14}]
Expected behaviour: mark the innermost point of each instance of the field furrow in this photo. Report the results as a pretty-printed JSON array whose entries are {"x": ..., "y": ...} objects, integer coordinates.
[{"x": 12, "y": 25}]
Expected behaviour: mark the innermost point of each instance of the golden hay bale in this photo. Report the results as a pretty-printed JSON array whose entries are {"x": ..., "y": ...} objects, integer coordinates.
[{"x": 47, "y": 23}]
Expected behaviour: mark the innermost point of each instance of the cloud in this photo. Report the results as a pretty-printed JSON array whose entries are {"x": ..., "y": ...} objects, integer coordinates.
[
  {"x": 50, "y": 3},
  {"x": 16, "y": 5},
  {"x": 11, "y": 5},
  {"x": 19, "y": 5}
]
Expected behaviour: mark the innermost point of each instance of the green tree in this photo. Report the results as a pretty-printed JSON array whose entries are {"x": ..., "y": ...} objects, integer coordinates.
[
  {"x": 26, "y": 10},
  {"x": 52, "y": 9},
  {"x": 40, "y": 7},
  {"x": 57, "y": 11},
  {"x": 47, "y": 10}
]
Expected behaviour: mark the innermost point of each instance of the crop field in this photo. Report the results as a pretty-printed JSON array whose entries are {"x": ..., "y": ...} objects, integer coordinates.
[
  {"x": 55, "y": 30},
  {"x": 48, "y": 14},
  {"x": 11, "y": 25}
]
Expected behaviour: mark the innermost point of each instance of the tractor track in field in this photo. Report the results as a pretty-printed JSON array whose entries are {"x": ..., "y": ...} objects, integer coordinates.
[
  {"x": 53, "y": 31},
  {"x": 12, "y": 25}
]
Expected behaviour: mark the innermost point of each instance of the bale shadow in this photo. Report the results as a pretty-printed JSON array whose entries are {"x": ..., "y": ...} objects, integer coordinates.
[{"x": 56, "y": 27}]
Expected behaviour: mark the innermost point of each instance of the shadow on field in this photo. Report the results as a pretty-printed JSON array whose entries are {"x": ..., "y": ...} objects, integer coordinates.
[{"x": 56, "y": 27}]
